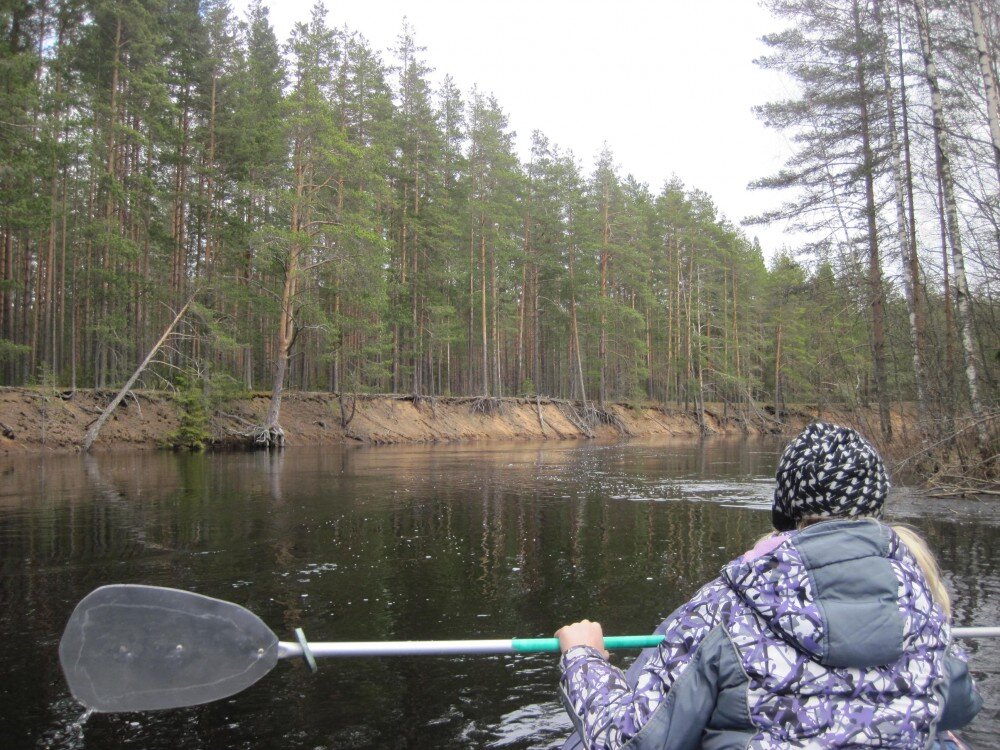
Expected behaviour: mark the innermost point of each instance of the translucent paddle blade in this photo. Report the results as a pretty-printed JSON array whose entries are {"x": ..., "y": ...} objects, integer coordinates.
[{"x": 141, "y": 648}]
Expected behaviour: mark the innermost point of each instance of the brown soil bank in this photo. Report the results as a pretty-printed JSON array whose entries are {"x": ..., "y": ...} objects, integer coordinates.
[{"x": 45, "y": 420}]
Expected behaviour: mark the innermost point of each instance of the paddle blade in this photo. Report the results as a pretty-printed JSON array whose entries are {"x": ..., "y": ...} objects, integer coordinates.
[{"x": 141, "y": 648}]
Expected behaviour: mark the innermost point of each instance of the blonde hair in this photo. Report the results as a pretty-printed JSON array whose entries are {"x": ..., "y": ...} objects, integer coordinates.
[
  {"x": 917, "y": 547},
  {"x": 928, "y": 565}
]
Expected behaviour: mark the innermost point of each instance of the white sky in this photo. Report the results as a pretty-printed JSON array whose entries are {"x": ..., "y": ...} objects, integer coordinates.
[{"x": 668, "y": 85}]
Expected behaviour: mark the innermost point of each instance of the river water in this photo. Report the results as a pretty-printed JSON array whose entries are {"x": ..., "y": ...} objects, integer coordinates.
[{"x": 430, "y": 542}]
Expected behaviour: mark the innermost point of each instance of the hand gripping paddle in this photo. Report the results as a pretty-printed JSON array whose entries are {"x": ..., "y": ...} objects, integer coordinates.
[{"x": 142, "y": 648}]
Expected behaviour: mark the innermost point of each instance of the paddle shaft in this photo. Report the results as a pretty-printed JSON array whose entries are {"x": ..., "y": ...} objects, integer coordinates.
[
  {"x": 130, "y": 647},
  {"x": 322, "y": 649},
  {"x": 976, "y": 632}
]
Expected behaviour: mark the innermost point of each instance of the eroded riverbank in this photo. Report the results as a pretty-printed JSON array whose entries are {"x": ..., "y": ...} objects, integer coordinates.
[{"x": 45, "y": 420}]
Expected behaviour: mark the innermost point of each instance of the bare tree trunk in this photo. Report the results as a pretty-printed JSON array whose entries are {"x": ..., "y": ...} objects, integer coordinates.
[
  {"x": 6, "y": 274},
  {"x": 874, "y": 261},
  {"x": 96, "y": 427},
  {"x": 736, "y": 339},
  {"x": 576, "y": 330},
  {"x": 948, "y": 396},
  {"x": 576, "y": 348},
  {"x": 690, "y": 333},
  {"x": 989, "y": 79},
  {"x": 907, "y": 247},
  {"x": 469, "y": 376},
  {"x": 523, "y": 302},
  {"x": 671, "y": 351},
  {"x": 482, "y": 296},
  {"x": 210, "y": 181},
  {"x": 536, "y": 325},
  {"x": 271, "y": 433},
  {"x": 495, "y": 295},
  {"x": 777, "y": 373},
  {"x": 101, "y": 353},
  {"x": 650, "y": 382},
  {"x": 700, "y": 404},
  {"x": 602, "y": 354},
  {"x": 954, "y": 235}
]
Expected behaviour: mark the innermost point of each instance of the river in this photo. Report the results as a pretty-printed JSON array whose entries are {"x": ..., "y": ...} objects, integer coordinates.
[{"x": 490, "y": 540}]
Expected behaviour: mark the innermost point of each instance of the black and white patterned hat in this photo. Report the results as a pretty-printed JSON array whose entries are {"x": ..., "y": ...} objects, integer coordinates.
[{"x": 828, "y": 471}]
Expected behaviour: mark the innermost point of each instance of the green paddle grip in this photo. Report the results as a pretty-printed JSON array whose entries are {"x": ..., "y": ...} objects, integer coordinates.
[{"x": 551, "y": 645}]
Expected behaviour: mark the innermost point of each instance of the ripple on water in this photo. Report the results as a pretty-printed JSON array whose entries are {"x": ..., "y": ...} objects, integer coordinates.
[
  {"x": 538, "y": 724},
  {"x": 68, "y": 735}
]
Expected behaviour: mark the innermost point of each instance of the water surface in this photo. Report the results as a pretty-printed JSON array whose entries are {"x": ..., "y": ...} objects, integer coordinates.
[{"x": 475, "y": 541}]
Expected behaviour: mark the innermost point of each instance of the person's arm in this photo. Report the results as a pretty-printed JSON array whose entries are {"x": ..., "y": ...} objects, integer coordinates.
[
  {"x": 607, "y": 711},
  {"x": 961, "y": 698}
]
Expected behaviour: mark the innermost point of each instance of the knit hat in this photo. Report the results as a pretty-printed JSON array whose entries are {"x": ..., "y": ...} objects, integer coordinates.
[{"x": 828, "y": 471}]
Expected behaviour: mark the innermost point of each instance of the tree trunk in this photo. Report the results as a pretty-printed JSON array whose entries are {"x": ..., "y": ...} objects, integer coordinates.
[
  {"x": 907, "y": 247},
  {"x": 271, "y": 433},
  {"x": 777, "y": 373},
  {"x": 602, "y": 353},
  {"x": 523, "y": 303},
  {"x": 536, "y": 354},
  {"x": 576, "y": 329},
  {"x": 101, "y": 353},
  {"x": 874, "y": 261},
  {"x": 495, "y": 294},
  {"x": 954, "y": 236},
  {"x": 482, "y": 299},
  {"x": 948, "y": 395},
  {"x": 700, "y": 403},
  {"x": 471, "y": 366},
  {"x": 989, "y": 79},
  {"x": 210, "y": 181},
  {"x": 95, "y": 428}
]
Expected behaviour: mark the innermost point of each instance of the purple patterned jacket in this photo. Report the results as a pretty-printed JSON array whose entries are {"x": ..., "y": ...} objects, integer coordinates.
[{"x": 828, "y": 639}]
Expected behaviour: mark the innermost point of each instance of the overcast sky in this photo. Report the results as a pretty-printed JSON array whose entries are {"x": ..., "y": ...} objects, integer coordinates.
[{"x": 668, "y": 85}]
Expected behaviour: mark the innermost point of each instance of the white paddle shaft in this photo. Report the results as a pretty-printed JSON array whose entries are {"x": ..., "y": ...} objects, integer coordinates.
[
  {"x": 322, "y": 649},
  {"x": 397, "y": 648}
]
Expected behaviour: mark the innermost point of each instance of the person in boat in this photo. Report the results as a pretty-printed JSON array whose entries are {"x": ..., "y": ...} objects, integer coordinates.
[{"x": 831, "y": 632}]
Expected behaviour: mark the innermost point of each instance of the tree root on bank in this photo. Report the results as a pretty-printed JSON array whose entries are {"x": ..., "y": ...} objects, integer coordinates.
[
  {"x": 608, "y": 417},
  {"x": 488, "y": 406},
  {"x": 568, "y": 410},
  {"x": 254, "y": 436},
  {"x": 751, "y": 413},
  {"x": 344, "y": 418},
  {"x": 541, "y": 419},
  {"x": 267, "y": 437},
  {"x": 419, "y": 400}
]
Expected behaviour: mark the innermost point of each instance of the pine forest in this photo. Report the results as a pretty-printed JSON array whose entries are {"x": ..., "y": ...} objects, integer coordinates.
[{"x": 333, "y": 217}]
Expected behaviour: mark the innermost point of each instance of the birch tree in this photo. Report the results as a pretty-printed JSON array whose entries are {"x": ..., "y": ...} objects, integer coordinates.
[{"x": 943, "y": 158}]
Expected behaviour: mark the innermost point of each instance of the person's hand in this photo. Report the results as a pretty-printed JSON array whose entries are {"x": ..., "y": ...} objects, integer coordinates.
[{"x": 583, "y": 633}]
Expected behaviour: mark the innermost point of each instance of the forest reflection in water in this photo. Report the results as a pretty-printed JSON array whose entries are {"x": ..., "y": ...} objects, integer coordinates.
[{"x": 417, "y": 542}]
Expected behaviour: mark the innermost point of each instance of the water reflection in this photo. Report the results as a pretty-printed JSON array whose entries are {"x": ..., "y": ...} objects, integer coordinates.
[{"x": 403, "y": 542}]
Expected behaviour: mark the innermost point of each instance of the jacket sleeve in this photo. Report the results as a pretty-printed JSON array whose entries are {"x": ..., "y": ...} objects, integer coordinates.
[
  {"x": 961, "y": 697},
  {"x": 609, "y": 710}
]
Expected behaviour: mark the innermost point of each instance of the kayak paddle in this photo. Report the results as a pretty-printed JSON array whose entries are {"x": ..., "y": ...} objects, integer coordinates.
[{"x": 140, "y": 648}]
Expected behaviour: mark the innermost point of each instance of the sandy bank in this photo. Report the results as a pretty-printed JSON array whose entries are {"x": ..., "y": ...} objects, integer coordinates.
[{"x": 34, "y": 420}]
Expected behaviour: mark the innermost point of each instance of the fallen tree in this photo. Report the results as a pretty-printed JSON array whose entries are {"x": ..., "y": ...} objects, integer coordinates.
[{"x": 95, "y": 428}]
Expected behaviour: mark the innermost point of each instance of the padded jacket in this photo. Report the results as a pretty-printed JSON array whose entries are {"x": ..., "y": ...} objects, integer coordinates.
[{"x": 828, "y": 637}]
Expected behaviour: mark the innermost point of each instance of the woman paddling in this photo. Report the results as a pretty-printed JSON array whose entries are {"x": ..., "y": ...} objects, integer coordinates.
[{"x": 832, "y": 632}]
